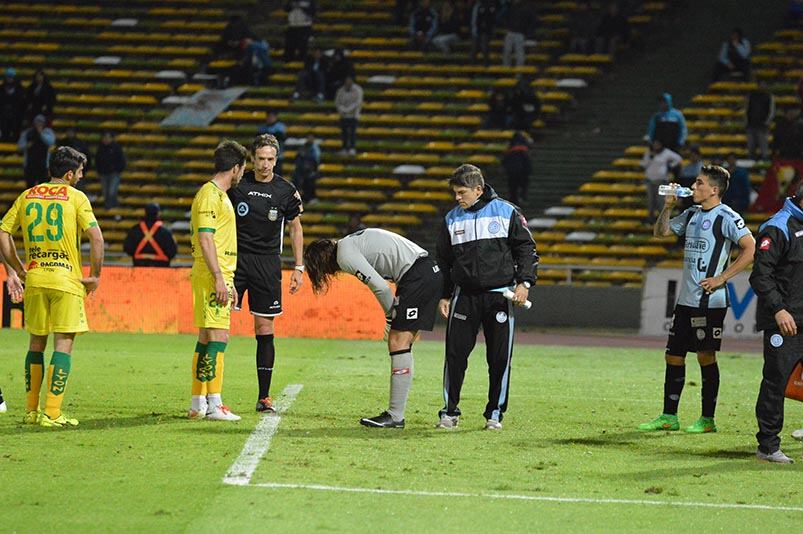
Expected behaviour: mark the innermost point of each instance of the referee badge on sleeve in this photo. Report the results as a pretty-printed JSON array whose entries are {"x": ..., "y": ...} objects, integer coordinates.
[{"x": 273, "y": 214}]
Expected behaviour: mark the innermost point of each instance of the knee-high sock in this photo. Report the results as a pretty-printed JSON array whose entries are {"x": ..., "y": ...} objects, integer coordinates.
[
  {"x": 215, "y": 350},
  {"x": 266, "y": 355},
  {"x": 57, "y": 373},
  {"x": 401, "y": 378},
  {"x": 34, "y": 373},
  {"x": 674, "y": 379},
  {"x": 710, "y": 374},
  {"x": 199, "y": 371}
]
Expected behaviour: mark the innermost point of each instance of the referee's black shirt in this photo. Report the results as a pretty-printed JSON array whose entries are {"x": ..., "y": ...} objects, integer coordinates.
[{"x": 262, "y": 209}]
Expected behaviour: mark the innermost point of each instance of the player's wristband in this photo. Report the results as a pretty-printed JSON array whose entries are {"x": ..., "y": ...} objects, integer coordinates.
[{"x": 299, "y": 268}]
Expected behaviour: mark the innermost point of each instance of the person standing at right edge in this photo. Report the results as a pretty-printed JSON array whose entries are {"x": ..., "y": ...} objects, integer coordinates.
[
  {"x": 710, "y": 229},
  {"x": 777, "y": 279},
  {"x": 484, "y": 248}
]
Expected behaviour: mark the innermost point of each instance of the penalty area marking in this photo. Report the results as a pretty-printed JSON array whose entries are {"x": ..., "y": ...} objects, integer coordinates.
[
  {"x": 537, "y": 498},
  {"x": 241, "y": 471}
]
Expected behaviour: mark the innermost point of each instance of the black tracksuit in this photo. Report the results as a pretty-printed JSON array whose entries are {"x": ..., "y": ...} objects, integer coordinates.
[
  {"x": 481, "y": 251},
  {"x": 777, "y": 279}
]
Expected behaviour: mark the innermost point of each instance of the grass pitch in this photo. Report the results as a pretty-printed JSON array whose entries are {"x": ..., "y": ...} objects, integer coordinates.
[{"x": 568, "y": 458}]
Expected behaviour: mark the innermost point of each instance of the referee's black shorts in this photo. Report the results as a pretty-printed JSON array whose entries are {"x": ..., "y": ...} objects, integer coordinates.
[
  {"x": 695, "y": 330},
  {"x": 261, "y": 277},
  {"x": 417, "y": 297}
]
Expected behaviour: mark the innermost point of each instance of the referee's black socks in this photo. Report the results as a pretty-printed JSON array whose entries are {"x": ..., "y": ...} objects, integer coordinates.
[
  {"x": 266, "y": 354},
  {"x": 674, "y": 379},
  {"x": 710, "y": 374}
]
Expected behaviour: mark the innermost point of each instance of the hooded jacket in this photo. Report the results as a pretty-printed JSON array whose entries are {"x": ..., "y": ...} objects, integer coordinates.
[
  {"x": 486, "y": 246},
  {"x": 777, "y": 276},
  {"x": 671, "y": 115}
]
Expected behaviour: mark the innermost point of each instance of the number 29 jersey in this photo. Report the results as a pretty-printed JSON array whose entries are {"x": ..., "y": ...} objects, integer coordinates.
[{"x": 51, "y": 216}]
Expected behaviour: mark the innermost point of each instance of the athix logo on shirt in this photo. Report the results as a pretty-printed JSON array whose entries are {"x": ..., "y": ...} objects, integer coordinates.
[
  {"x": 258, "y": 194},
  {"x": 765, "y": 244},
  {"x": 48, "y": 192}
]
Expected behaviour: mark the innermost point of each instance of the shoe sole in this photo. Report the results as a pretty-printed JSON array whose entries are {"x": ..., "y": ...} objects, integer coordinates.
[
  {"x": 374, "y": 424},
  {"x": 664, "y": 429},
  {"x": 706, "y": 431}
]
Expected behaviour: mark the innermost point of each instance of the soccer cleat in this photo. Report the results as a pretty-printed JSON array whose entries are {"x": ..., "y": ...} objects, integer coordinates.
[
  {"x": 221, "y": 412},
  {"x": 32, "y": 417},
  {"x": 196, "y": 415},
  {"x": 59, "y": 422},
  {"x": 265, "y": 405},
  {"x": 448, "y": 421},
  {"x": 3, "y": 407},
  {"x": 493, "y": 424},
  {"x": 777, "y": 457},
  {"x": 383, "y": 420},
  {"x": 798, "y": 434},
  {"x": 702, "y": 426},
  {"x": 662, "y": 422}
]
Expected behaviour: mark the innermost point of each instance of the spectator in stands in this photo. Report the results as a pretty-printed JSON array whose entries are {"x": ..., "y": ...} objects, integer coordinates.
[
  {"x": 71, "y": 140},
  {"x": 668, "y": 125},
  {"x": 400, "y": 11},
  {"x": 498, "y": 111},
  {"x": 35, "y": 144},
  {"x": 312, "y": 78},
  {"x": 300, "y": 16},
  {"x": 450, "y": 21},
  {"x": 739, "y": 190},
  {"x": 658, "y": 163},
  {"x": 525, "y": 106},
  {"x": 110, "y": 163},
  {"x": 423, "y": 26},
  {"x": 337, "y": 70},
  {"x": 251, "y": 53},
  {"x": 613, "y": 30},
  {"x": 734, "y": 57},
  {"x": 277, "y": 129},
  {"x": 348, "y": 102},
  {"x": 519, "y": 23},
  {"x": 355, "y": 224},
  {"x": 759, "y": 111},
  {"x": 787, "y": 136},
  {"x": 305, "y": 172},
  {"x": 149, "y": 242},
  {"x": 518, "y": 167},
  {"x": 40, "y": 96},
  {"x": 582, "y": 28},
  {"x": 483, "y": 24},
  {"x": 231, "y": 38},
  {"x": 12, "y": 107}
]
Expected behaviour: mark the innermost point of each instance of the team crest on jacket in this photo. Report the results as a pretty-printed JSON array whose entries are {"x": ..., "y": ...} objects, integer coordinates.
[
  {"x": 273, "y": 214},
  {"x": 494, "y": 227}
]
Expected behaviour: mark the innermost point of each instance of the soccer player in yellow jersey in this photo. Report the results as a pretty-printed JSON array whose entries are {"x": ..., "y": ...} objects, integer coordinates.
[
  {"x": 51, "y": 215},
  {"x": 214, "y": 252}
]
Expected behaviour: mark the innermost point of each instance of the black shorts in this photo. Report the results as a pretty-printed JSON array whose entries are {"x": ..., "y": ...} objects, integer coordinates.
[
  {"x": 260, "y": 277},
  {"x": 695, "y": 330},
  {"x": 417, "y": 297}
]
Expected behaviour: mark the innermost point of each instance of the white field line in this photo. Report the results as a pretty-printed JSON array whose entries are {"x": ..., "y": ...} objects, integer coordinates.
[
  {"x": 537, "y": 498},
  {"x": 258, "y": 442}
]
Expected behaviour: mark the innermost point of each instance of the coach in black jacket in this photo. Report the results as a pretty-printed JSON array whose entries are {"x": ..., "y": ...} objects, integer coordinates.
[
  {"x": 484, "y": 248},
  {"x": 777, "y": 279}
]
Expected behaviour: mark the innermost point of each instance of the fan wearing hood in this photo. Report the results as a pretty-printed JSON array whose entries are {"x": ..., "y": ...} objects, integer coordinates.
[{"x": 667, "y": 125}]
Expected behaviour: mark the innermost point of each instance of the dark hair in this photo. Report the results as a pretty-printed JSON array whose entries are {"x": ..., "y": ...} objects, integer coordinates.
[
  {"x": 64, "y": 160},
  {"x": 228, "y": 154},
  {"x": 467, "y": 175},
  {"x": 717, "y": 177},
  {"x": 265, "y": 140},
  {"x": 320, "y": 259}
]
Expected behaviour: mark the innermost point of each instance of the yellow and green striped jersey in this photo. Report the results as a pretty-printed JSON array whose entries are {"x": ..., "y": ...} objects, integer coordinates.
[
  {"x": 51, "y": 216},
  {"x": 212, "y": 212}
]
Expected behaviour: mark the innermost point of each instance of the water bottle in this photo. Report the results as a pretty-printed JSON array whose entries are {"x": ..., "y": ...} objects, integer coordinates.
[{"x": 666, "y": 190}]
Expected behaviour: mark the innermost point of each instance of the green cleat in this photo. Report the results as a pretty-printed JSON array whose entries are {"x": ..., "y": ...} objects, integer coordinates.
[
  {"x": 703, "y": 425},
  {"x": 662, "y": 422}
]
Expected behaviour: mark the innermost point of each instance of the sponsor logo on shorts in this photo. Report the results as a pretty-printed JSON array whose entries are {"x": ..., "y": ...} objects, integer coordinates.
[
  {"x": 459, "y": 316},
  {"x": 799, "y": 233},
  {"x": 766, "y": 243},
  {"x": 700, "y": 334},
  {"x": 699, "y": 322},
  {"x": 717, "y": 333},
  {"x": 273, "y": 214},
  {"x": 243, "y": 209},
  {"x": 412, "y": 313},
  {"x": 436, "y": 269},
  {"x": 776, "y": 340},
  {"x": 501, "y": 317}
]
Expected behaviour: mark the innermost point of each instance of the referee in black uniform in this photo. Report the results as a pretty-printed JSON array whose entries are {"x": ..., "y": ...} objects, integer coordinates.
[
  {"x": 484, "y": 248},
  {"x": 777, "y": 279},
  {"x": 264, "y": 203}
]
